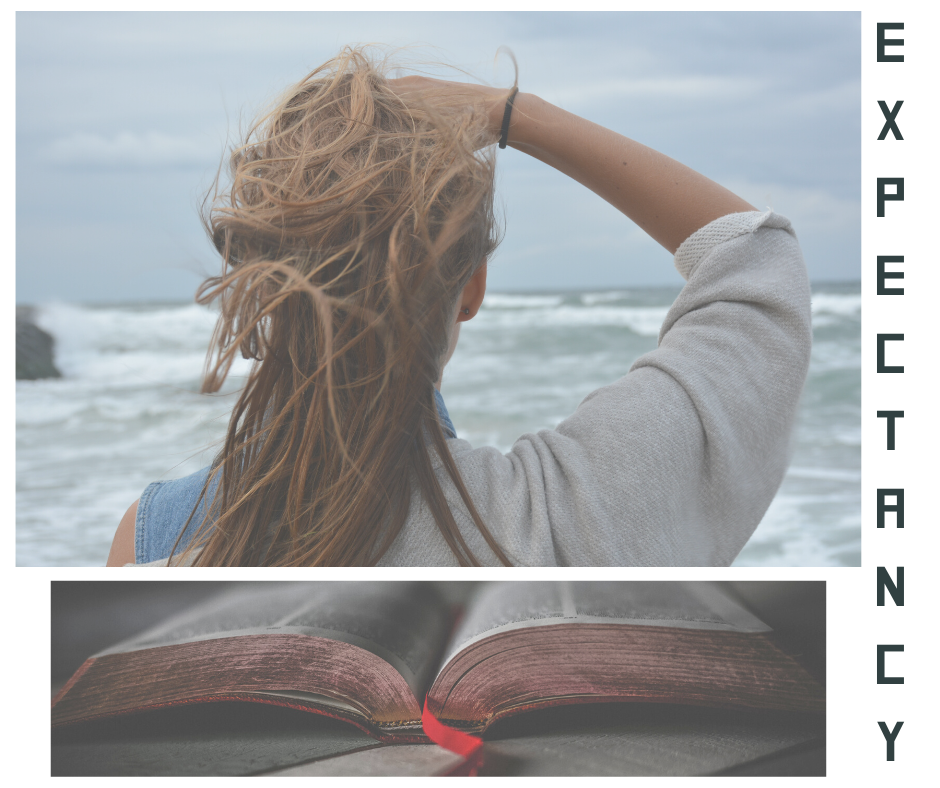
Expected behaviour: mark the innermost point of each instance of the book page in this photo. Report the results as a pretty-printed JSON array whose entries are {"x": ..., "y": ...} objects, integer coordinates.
[
  {"x": 500, "y": 607},
  {"x": 406, "y": 624}
]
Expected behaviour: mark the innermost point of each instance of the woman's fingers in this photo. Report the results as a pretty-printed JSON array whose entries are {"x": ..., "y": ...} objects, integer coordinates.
[{"x": 442, "y": 93}]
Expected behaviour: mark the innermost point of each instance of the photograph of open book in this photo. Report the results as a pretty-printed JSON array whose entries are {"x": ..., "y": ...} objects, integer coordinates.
[{"x": 388, "y": 656}]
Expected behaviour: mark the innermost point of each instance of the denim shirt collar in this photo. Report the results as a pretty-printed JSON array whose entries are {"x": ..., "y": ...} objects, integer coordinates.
[{"x": 446, "y": 424}]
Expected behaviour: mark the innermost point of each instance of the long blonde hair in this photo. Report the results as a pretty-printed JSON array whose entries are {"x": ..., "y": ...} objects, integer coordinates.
[{"x": 353, "y": 220}]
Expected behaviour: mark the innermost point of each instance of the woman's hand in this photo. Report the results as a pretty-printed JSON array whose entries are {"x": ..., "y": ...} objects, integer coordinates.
[{"x": 440, "y": 93}]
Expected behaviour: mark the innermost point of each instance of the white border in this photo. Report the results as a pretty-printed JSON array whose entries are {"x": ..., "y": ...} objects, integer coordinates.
[{"x": 856, "y": 625}]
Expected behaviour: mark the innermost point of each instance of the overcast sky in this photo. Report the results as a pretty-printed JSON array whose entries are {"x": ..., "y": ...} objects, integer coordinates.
[{"x": 122, "y": 119}]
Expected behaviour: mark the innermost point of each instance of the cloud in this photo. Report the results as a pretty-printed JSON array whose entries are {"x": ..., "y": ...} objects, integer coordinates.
[
  {"x": 807, "y": 206},
  {"x": 128, "y": 149},
  {"x": 693, "y": 87}
]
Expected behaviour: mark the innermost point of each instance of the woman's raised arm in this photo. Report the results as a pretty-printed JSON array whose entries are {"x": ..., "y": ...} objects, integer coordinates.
[{"x": 665, "y": 198}]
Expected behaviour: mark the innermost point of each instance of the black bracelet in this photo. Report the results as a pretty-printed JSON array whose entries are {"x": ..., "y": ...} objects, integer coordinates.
[{"x": 507, "y": 113}]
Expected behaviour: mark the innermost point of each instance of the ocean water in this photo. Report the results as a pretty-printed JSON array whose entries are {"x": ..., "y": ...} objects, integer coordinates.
[{"x": 128, "y": 412}]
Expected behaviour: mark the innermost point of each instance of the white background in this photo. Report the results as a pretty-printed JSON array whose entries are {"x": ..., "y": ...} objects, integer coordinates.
[{"x": 856, "y": 624}]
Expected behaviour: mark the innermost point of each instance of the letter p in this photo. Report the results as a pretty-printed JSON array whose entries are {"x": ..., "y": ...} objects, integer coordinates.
[{"x": 895, "y": 196}]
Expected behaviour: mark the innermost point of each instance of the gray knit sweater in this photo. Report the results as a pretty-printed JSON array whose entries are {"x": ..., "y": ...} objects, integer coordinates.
[{"x": 675, "y": 463}]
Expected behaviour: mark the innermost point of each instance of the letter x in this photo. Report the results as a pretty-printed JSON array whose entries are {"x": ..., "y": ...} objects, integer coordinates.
[{"x": 891, "y": 124}]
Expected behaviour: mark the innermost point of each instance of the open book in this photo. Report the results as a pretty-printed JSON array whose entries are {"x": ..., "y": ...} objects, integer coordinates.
[{"x": 371, "y": 652}]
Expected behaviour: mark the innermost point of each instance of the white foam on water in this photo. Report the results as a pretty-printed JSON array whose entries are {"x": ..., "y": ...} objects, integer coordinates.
[
  {"x": 796, "y": 531},
  {"x": 116, "y": 328},
  {"x": 590, "y": 299},
  {"x": 519, "y": 301},
  {"x": 839, "y": 304},
  {"x": 125, "y": 344},
  {"x": 642, "y": 320},
  {"x": 830, "y": 356},
  {"x": 831, "y": 474},
  {"x": 36, "y": 405},
  {"x": 825, "y": 321},
  {"x": 847, "y": 435},
  {"x": 120, "y": 349}
]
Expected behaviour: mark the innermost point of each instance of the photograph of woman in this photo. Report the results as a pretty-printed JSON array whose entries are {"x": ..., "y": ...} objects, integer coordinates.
[{"x": 356, "y": 219}]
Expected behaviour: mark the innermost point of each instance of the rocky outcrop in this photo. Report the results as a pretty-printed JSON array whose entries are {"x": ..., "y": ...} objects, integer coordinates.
[{"x": 33, "y": 348}]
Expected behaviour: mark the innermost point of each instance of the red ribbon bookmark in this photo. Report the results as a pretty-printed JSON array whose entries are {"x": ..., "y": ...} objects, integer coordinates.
[{"x": 470, "y": 748}]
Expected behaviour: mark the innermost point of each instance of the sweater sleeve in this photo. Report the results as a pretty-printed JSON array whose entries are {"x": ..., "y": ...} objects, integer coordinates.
[{"x": 676, "y": 462}]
